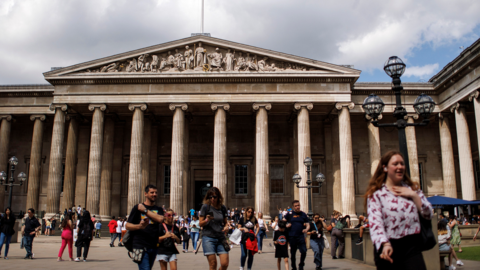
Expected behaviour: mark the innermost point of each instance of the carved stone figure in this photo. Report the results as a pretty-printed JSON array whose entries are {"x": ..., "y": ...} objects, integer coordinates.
[
  {"x": 146, "y": 67},
  {"x": 154, "y": 64},
  {"x": 250, "y": 62},
  {"x": 188, "y": 58},
  {"x": 262, "y": 64},
  {"x": 132, "y": 66},
  {"x": 163, "y": 64},
  {"x": 228, "y": 60},
  {"x": 240, "y": 62},
  {"x": 178, "y": 59},
  {"x": 199, "y": 55},
  {"x": 141, "y": 61},
  {"x": 216, "y": 59},
  {"x": 113, "y": 67},
  {"x": 170, "y": 59}
]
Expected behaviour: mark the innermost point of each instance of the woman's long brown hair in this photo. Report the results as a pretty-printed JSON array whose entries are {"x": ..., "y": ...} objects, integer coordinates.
[
  {"x": 214, "y": 191},
  {"x": 252, "y": 215},
  {"x": 380, "y": 176}
]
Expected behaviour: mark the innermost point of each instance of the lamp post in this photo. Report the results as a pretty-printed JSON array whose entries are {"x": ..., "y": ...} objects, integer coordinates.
[
  {"x": 320, "y": 178},
  {"x": 373, "y": 106},
  {"x": 3, "y": 178}
]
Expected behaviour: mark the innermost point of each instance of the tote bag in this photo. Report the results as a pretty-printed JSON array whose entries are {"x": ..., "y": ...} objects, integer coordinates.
[{"x": 236, "y": 237}]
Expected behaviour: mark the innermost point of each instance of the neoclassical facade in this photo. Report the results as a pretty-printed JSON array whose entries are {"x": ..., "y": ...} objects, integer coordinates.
[{"x": 202, "y": 111}]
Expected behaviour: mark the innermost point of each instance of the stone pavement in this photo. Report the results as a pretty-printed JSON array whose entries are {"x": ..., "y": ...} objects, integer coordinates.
[{"x": 101, "y": 256}]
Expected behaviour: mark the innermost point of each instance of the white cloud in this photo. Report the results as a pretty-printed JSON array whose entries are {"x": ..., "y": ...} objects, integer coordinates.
[{"x": 422, "y": 72}]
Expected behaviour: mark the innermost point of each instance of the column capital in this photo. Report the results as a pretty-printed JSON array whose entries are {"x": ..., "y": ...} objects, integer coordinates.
[
  {"x": 473, "y": 95},
  {"x": 443, "y": 115},
  {"x": 215, "y": 106},
  {"x": 340, "y": 105},
  {"x": 298, "y": 105},
  {"x": 141, "y": 106},
  {"x": 101, "y": 106},
  {"x": 256, "y": 106},
  {"x": 8, "y": 117},
  {"x": 55, "y": 106},
  {"x": 414, "y": 116},
  {"x": 457, "y": 106},
  {"x": 41, "y": 117},
  {"x": 173, "y": 106}
]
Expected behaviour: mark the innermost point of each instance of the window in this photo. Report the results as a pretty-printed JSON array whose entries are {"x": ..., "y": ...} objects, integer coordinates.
[
  {"x": 315, "y": 171},
  {"x": 476, "y": 167},
  {"x": 420, "y": 175},
  {"x": 277, "y": 175},
  {"x": 241, "y": 179},
  {"x": 166, "y": 179}
]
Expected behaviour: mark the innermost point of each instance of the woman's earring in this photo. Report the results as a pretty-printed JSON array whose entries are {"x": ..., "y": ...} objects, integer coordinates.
[{"x": 385, "y": 169}]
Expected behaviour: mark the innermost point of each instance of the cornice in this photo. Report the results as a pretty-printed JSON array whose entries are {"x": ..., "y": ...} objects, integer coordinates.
[{"x": 26, "y": 94}]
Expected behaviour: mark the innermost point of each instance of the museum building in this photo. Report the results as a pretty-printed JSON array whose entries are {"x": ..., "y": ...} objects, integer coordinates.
[{"x": 201, "y": 111}]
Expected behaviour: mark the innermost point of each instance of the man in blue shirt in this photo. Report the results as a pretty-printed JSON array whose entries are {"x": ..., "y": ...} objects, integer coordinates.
[
  {"x": 192, "y": 212},
  {"x": 298, "y": 224}
]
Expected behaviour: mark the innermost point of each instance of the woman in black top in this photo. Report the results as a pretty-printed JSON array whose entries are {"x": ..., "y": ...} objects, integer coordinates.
[
  {"x": 6, "y": 229},
  {"x": 249, "y": 227},
  {"x": 316, "y": 239},
  {"x": 85, "y": 234}
]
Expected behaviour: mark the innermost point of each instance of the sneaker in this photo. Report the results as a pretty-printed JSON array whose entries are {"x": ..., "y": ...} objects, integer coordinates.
[
  {"x": 334, "y": 257},
  {"x": 451, "y": 267},
  {"x": 341, "y": 257},
  {"x": 359, "y": 241},
  {"x": 6, "y": 258},
  {"x": 76, "y": 260},
  {"x": 84, "y": 260},
  {"x": 459, "y": 263},
  {"x": 241, "y": 268},
  {"x": 26, "y": 257}
]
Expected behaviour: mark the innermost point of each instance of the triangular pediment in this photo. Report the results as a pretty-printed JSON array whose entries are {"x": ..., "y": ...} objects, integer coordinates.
[{"x": 203, "y": 56}]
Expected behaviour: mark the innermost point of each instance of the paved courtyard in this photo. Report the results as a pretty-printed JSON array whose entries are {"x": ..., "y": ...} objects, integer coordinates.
[{"x": 101, "y": 256}]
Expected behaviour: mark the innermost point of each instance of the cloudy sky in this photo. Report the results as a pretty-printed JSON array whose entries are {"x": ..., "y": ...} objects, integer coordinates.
[{"x": 39, "y": 34}]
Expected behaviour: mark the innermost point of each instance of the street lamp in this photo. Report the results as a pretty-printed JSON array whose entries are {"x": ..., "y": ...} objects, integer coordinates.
[
  {"x": 3, "y": 178},
  {"x": 373, "y": 106},
  {"x": 320, "y": 178}
]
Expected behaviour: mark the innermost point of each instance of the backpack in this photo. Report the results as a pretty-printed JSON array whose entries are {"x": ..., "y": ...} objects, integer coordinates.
[{"x": 87, "y": 231}]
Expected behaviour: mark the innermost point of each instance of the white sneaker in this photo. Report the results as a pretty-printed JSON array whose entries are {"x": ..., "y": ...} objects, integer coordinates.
[
  {"x": 451, "y": 267},
  {"x": 460, "y": 263},
  {"x": 77, "y": 259}
]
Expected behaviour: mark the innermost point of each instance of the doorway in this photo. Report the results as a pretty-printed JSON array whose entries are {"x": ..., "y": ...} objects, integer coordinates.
[{"x": 201, "y": 188}]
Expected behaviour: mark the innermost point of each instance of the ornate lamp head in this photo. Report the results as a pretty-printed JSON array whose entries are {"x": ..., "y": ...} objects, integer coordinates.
[
  {"x": 424, "y": 105},
  {"x": 296, "y": 178},
  {"x": 13, "y": 161},
  {"x": 320, "y": 179},
  {"x": 373, "y": 106},
  {"x": 308, "y": 161},
  {"x": 3, "y": 177},
  {"x": 394, "y": 67},
  {"x": 22, "y": 177}
]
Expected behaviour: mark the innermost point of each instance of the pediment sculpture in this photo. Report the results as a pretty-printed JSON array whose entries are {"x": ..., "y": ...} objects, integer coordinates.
[{"x": 201, "y": 58}]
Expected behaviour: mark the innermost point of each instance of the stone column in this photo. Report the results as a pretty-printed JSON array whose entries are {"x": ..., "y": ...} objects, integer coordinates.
[
  {"x": 448, "y": 162},
  {"x": 476, "y": 106},
  {"x": 4, "y": 145},
  {"x": 70, "y": 163},
  {"x": 346, "y": 159},
  {"x": 107, "y": 168},
  {"x": 56, "y": 155},
  {"x": 303, "y": 127},
  {"x": 135, "y": 195},
  {"x": 337, "y": 176},
  {"x": 220, "y": 148},
  {"x": 95, "y": 158},
  {"x": 374, "y": 147},
  {"x": 412, "y": 149},
  {"x": 262, "y": 167},
  {"x": 35, "y": 161},
  {"x": 177, "y": 163},
  {"x": 467, "y": 178},
  {"x": 146, "y": 149}
]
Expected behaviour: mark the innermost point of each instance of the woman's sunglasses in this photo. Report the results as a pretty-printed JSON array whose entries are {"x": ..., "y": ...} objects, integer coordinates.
[
  {"x": 213, "y": 197},
  {"x": 169, "y": 215}
]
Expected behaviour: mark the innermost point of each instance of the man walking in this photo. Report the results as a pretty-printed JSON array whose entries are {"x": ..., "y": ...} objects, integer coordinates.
[
  {"x": 144, "y": 219},
  {"x": 29, "y": 230},
  {"x": 112, "y": 225},
  {"x": 298, "y": 224},
  {"x": 98, "y": 228},
  {"x": 79, "y": 211},
  {"x": 119, "y": 231}
]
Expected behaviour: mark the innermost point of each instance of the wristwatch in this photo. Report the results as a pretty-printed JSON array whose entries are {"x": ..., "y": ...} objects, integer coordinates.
[{"x": 146, "y": 210}]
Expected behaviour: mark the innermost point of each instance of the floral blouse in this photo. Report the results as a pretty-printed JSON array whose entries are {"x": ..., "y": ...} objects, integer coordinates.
[{"x": 393, "y": 217}]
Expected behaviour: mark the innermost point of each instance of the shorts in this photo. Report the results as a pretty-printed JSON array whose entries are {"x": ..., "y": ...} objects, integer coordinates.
[
  {"x": 166, "y": 258},
  {"x": 444, "y": 247},
  {"x": 212, "y": 246},
  {"x": 48, "y": 227}
]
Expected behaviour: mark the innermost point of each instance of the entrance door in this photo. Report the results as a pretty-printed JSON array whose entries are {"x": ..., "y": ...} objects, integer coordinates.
[{"x": 201, "y": 188}]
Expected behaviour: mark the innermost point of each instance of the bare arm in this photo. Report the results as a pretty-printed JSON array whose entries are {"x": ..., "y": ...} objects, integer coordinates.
[
  {"x": 133, "y": 227},
  {"x": 154, "y": 216},
  {"x": 307, "y": 227},
  {"x": 475, "y": 237},
  {"x": 204, "y": 221}
]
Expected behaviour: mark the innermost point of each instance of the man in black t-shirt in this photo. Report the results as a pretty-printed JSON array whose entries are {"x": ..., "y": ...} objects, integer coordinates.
[
  {"x": 29, "y": 229},
  {"x": 298, "y": 224},
  {"x": 143, "y": 223}
]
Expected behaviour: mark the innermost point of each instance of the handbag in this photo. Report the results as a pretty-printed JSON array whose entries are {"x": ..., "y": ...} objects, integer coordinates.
[
  {"x": 236, "y": 237},
  {"x": 329, "y": 228},
  {"x": 137, "y": 255},
  {"x": 127, "y": 241},
  {"x": 428, "y": 238},
  {"x": 325, "y": 241}
]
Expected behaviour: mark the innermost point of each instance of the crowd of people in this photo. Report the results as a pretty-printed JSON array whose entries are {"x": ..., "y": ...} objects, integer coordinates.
[{"x": 154, "y": 232}]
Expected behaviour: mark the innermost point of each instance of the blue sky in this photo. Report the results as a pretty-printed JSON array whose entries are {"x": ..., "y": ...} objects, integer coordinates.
[{"x": 426, "y": 34}]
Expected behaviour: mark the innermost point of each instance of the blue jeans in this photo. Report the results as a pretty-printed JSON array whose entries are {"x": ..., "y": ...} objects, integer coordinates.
[
  {"x": 243, "y": 257},
  {"x": 29, "y": 244},
  {"x": 5, "y": 239},
  {"x": 194, "y": 236},
  {"x": 298, "y": 242},
  {"x": 148, "y": 259},
  {"x": 260, "y": 236},
  {"x": 317, "y": 246}
]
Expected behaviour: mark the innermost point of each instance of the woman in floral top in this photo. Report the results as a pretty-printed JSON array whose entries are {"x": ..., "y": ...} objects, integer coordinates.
[{"x": 394, "y": 204}]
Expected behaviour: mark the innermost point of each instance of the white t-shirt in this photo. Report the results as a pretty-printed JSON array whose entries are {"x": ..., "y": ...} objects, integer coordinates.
[
  {"x": 284, "y": 213},
  {"x": 124, "y": 227},
  {"x": 119, "y": 226},
  {"x": 261, "y": 223},
  {"x": 79, "y": 210}
]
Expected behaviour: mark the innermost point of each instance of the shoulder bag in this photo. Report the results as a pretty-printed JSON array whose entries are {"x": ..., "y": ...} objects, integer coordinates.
[{"x": 428, "y": 238}]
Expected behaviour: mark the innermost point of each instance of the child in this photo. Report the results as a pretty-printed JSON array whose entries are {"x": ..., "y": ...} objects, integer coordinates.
[{"x": 280, "y": 239}]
